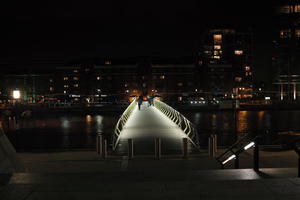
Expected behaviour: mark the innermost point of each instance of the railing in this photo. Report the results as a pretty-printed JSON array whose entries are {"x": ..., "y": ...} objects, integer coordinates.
[
  {"x": 187, "y": 126},
  {"x": 121, "y": 122}
]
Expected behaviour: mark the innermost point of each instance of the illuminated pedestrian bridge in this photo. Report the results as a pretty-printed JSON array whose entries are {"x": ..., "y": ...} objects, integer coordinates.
[{"x": 151, "y": 122}]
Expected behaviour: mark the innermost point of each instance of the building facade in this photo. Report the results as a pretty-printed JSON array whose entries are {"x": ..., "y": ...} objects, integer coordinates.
[{"x": 225, "y": 62}]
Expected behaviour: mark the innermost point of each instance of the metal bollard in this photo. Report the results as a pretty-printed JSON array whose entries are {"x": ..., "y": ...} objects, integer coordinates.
[
  {"x": 104, "y": 149},
  {"x": 215, "y": 143},
  {"x": 185, "y": 147},
  {"x": 237, "y": 162},
  {"x": 157, "y": 148},
  {"x": 256, "y": 158},
  {"x": 130, "y": 148},
  {"x": 99, "y": 142},
  {"x": 211, "y": 149}
]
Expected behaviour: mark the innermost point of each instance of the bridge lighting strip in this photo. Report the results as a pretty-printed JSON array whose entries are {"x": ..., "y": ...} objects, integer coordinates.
[
  {"x": 228, "y": 159},
  {"x": 251, "y": 144}
]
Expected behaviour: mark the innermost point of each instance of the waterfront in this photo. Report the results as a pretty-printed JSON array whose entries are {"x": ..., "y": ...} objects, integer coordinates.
[{"x": 77, "y": 131}]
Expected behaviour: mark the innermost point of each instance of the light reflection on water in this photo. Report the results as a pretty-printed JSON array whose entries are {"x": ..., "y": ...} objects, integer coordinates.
[{"x": 79, "y": 131}]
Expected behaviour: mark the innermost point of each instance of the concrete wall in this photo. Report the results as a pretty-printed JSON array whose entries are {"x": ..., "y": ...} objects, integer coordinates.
[{"x": 9, "y": 161}]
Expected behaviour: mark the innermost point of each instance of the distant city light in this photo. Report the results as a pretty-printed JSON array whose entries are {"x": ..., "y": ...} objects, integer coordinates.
[{"x": 16, "y": 94}]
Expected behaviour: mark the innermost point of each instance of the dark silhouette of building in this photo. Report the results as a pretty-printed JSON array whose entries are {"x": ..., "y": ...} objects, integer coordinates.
[
  {"x": 225, "y": 62},
  {"x": 286, "y": 59}
]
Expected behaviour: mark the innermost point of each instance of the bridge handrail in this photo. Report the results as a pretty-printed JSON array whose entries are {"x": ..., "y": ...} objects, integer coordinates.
[
  {"x": 187, "y": 126},
  {"x": 121, "y": 122}
]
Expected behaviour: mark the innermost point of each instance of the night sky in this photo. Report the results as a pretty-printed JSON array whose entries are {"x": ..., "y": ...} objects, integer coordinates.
[{"x": 61, "y": 30}]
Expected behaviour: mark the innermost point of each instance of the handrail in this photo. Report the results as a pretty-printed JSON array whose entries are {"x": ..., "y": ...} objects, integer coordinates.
[
  {"x": 187, "y": 126},
  {"x": 121, "y": 123}
]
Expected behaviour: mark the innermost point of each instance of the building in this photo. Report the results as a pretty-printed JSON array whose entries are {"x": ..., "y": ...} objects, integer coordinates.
[
  {"x": 286, "y": 59},
  {"x": 225, "y": 63},
  {"x": 103, "y": 80}
]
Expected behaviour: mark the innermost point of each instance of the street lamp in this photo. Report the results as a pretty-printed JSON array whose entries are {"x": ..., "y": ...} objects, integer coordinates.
[{"x": 16, "y": 94}]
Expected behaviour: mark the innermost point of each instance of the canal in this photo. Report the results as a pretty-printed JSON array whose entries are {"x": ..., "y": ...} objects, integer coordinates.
[{"x": 77, "y": 131}]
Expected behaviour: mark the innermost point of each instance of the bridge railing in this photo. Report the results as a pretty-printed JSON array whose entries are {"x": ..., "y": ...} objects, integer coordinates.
[
  {"x": 187, "y": 126},
  {"x": 121, "y": 123}
]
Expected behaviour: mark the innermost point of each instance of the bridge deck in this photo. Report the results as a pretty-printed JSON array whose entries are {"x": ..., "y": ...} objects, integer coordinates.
[{"x": 144, "y": 125}]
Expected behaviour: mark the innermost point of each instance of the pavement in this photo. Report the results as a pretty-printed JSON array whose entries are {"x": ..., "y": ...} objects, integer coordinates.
[{"x": 83, "y": 175}]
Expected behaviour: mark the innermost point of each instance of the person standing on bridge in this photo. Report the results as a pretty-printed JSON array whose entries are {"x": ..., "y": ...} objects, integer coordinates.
[{"x": 140, "y": 101}]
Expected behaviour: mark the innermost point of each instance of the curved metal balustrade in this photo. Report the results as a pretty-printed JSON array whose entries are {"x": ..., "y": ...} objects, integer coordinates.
[
  {"x": 121, "y": 123},
  {"x": 187, "y": 126}
]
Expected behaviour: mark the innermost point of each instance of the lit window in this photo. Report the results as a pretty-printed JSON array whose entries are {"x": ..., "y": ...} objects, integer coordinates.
[
  {"x": 238, "y": 79},
  {"x": 108, "y": 62},
  {"x": 66, "y": 78},
  {"x": 247, "y": 68},
  {"x": 162, "y": 77},
  {"x": 75, "y": 71},
  {"x": 125, "y": 85},
  {"x": 217, "y": 47},
  {"x": 65, "y": 92},
  {"x": 66, "y": 86},
  {"x": 51, "y": 88},
  {"x": 297, "y": 33},
  {"x": 217, "y": 38},
  {"x": 285, "y": 33},
  {"x": 99, "y": 78},
  {"x": 217, "y": 57},
  {"x": 180, "y": 84},
  {"x": 75, "y": 78},
  {"x": 238, "y": 52},
  {"x": 51, "y": 80},
  {"x": 250, "y": 73},
  {"x": 76, "y": 85},
  {"x": 200, "y": 62}
]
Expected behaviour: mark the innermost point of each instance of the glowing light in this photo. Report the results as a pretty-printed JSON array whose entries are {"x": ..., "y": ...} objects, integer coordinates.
[
  {"x": 16, "y": 94},
  {"x": 251, "y": 144},
  {"x": 228, "y": 159}
]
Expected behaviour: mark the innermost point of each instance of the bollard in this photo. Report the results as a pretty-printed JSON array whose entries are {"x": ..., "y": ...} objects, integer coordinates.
[
  {"x": 99, "y": 142},
  {"x": 215, "y": 143},
  {"x": 237, "y": 162},
  {"x": 256, "y": 158},
  {"x": 211, "y": 149},
  {"x": 104, "y": 148},
  {"x": 299, "y": 166},
  {"x": 185, "y": 147},
  {"x": 157, "y": 148},
  {"x": 130, "y": 148}
]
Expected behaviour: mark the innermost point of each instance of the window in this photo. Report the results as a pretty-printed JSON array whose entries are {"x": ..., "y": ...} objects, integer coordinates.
[
  {"x": 238, "y": 79},
  {"x": 51, "y": 88},
  {"x": 108, "y": 62},
  {"x": 75, "y": 71},
  {"x": 51, "y": 80},
  {"x": 66, "y": 78},
  {"x": 285, "y": 33},
  {"x": 217, "y": 47},
  {"x": 216, "y": 57},
  {"x": 238, "y": 52},
  {"x": 217, "y": 39},
  {"x": 75, "y": 78},
  {"x": 76, "y": 85},
  {"x": 297, "y": 33},
  {"x": 247, "y": 68},
  {"x": 179, "y": 84},
  {"x": 66, "y": 86},
  {"x": 162, "y": 77},
  {"x": 99, "y": 78}
]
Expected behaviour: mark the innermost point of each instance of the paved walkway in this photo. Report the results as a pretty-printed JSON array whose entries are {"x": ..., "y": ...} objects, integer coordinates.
[{"x": 144, "y": 125}]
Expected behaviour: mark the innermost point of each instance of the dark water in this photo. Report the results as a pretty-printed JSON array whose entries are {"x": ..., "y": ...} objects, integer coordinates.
[{"x": 78, "y": 131}]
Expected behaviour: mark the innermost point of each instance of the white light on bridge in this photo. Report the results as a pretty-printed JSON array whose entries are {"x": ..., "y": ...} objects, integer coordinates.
[
  {"x": 16, "y": 94},
  {"x": 251, "y": 144},
  {"x": 228, "y": 159}
]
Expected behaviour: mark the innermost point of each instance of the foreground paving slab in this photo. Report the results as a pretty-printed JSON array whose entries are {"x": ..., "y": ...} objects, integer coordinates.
[{"x": 190, "y": 184}]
